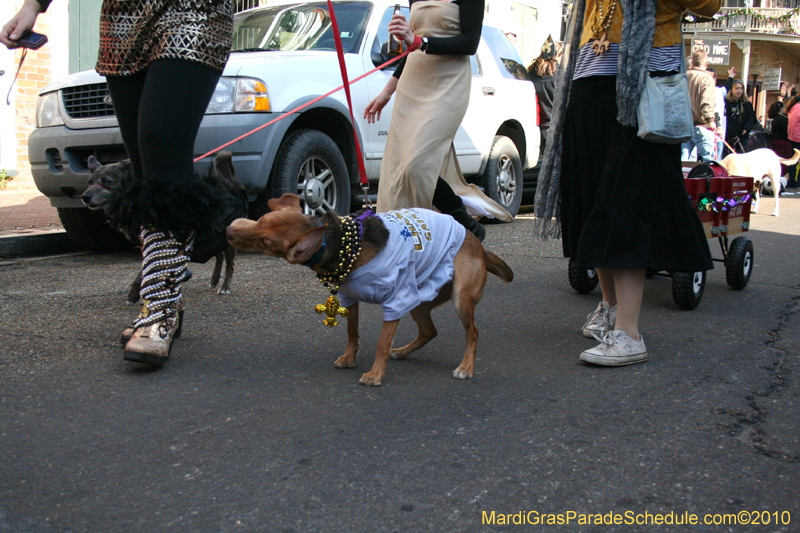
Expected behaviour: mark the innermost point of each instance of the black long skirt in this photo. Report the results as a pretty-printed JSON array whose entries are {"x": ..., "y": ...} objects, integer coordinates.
[{"x": 623, "y": 202}]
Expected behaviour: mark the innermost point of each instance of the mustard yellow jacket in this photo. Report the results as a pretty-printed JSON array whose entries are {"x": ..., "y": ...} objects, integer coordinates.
[{"x": 668, "y": 15}]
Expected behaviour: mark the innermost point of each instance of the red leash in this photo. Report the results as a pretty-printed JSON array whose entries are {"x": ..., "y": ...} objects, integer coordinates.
[
  {"x": 346, "y": 86},
  {"x": 362, "y": 172}
]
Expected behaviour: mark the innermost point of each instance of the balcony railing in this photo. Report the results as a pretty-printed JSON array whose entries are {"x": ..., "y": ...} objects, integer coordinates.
[{"x": 756, "y": 20}]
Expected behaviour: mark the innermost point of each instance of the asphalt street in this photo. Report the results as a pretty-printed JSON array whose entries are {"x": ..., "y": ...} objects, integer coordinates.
[{"x": 249, "y": 427}]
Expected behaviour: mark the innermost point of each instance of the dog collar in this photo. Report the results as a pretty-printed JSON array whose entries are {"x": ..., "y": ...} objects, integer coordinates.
[
  {"x": 361, "y": 218},
  {"x": 317, "y": 257}
]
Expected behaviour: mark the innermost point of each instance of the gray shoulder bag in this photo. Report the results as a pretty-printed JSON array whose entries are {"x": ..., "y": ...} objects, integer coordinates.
[{"x": 665, "y": 112}]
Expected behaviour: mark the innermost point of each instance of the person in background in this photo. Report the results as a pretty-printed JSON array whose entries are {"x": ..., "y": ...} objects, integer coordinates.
[
  {"x": 542, "y": 73},
  {"x": 431, "y": 87},
  {"x": 740, "y": 115},
  {"x": 793, "y": 130},
  {"x": 779, "y": 129},
  {"x": 161, "y": 60},
  {"x": 719, "y": 116},
  {"x": 702, "y": 98},
  {"x": 779, "y": 135},
  {"x": 623, "y": 206}
]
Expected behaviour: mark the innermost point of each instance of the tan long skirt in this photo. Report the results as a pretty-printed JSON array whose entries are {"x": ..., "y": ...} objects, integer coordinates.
[{"x": 430, "y": 102}]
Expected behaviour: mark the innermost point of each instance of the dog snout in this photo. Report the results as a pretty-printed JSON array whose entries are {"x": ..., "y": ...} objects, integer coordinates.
[{"x": 95, "y": 197}]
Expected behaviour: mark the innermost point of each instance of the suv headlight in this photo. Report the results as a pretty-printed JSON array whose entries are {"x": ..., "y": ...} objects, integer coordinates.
[
  {"x": 47, "y": 111},
  {"x": 239, "y": 95}
]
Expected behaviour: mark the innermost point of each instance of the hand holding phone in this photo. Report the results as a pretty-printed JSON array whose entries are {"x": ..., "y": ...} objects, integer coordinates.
[{"x": 32, "y": 40}]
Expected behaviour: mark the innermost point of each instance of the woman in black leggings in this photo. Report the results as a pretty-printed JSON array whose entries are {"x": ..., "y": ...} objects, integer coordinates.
[{"x": 162, "y": 60}]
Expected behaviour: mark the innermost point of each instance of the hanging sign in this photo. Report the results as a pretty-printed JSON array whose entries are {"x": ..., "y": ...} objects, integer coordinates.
[
  {"x": 772, "y": 79},
  {"x": 718, "y": 50}
]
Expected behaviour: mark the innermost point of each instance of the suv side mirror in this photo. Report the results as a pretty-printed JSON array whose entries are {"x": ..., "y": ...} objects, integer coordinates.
[{"x": 378, "y": 53}]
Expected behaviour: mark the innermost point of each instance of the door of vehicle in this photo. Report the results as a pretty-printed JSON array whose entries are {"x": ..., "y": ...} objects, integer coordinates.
[
  {"x": 375, "y": 134},
  {"x": 479, "y": 119}
]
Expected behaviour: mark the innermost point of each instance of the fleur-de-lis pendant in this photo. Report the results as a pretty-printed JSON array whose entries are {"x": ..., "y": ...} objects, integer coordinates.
[{"x": 600, "y": 45}]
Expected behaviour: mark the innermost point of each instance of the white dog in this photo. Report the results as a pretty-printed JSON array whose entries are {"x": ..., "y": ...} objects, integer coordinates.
[{"x": 759, "y": 164}]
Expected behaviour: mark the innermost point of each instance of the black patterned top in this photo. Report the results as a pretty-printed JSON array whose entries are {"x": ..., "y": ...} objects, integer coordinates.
[{"x": 134, "y": 33}]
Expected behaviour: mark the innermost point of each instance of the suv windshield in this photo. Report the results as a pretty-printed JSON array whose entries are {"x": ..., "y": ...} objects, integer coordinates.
[{"x": 300, "y": 27}]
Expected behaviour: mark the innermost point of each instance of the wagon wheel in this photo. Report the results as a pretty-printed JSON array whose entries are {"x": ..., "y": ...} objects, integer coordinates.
[
  {"x": 582, "y": 280},
  {"x": 739, "y": 264},
  {"x": 687, "y": 288}
]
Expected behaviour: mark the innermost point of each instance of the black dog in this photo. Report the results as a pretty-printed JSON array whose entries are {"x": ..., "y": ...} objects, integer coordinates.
[{"x": 107, "y": 188}]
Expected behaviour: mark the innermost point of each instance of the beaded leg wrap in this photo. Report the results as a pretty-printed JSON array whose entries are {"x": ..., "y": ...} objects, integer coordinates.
[
  {"x": 164, "y": 261},
  {"x": 164, "y": 269}
]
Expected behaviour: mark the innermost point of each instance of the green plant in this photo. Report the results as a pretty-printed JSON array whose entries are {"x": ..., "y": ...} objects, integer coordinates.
[{"x": 4, "y": 179}]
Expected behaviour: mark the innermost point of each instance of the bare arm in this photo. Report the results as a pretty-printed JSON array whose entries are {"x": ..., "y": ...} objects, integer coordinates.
[{"x": 373, "y": 111}]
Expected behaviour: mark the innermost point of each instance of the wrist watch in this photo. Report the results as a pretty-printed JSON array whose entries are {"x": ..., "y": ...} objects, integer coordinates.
[{"x": 424, "y": 46}]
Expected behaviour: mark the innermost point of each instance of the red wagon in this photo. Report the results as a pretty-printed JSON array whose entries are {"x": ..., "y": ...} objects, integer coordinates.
[{"x": 723, "y": 204}]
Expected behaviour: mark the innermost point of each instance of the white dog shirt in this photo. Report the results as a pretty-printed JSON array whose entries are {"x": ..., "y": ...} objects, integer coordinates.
[{"x": 413, "y": 267}]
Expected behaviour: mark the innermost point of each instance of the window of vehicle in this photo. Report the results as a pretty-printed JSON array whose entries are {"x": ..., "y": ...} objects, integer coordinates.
[
  {"x": 506, "y": 55},
  {"x": 300, "y": 27},
  {"x": 383, "y": 33},
  {"x": 475, "y": 64}
]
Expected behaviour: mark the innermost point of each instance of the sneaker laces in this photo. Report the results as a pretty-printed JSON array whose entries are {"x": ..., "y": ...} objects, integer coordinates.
[{"x": 608, "y": 338}]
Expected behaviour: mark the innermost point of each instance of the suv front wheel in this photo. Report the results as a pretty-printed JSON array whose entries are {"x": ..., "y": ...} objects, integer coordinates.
[
  {"x": 310, "y": 165},
  {"x": 89, "y": 230},
  {"x": 502, "y": 179}
]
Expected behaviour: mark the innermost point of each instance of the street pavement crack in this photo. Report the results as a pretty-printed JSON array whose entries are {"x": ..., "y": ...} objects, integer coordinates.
[{"x": 750, "y": 428}]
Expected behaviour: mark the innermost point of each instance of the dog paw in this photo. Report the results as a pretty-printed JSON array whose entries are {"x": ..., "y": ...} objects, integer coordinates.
[
  {"x": 460, "y": 373},
  {"x": 223, "y": 291},
  {"x": 345, "y": 362},
  {"x": 399, "y": 354},
  {"x": 373, "y": 380}
]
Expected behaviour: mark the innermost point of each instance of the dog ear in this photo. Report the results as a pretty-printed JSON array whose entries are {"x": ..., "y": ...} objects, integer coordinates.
[
  {"x": 306, "y": 246},
  {"x": 93, "y": 163},
  {"x": 287, "y": 201}
]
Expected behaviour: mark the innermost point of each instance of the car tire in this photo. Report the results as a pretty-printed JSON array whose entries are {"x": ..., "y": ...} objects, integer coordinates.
[
  {"x": 89, "y": 230},
  {"x": 310, "y": 165},
  {"x": 502, "y": 179}
]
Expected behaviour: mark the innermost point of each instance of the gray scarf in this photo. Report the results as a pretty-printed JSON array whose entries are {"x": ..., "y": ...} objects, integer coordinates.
[{"x": 638, "y": 30}]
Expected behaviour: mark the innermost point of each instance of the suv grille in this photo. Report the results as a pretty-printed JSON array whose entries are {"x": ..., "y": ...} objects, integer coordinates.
[{"x": 87, "y": 101}]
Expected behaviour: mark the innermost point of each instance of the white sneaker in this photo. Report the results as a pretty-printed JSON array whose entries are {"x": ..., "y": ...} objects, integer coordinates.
[
  {"x": 616, "y": 348},
  {"x": 600, "y": 321}
]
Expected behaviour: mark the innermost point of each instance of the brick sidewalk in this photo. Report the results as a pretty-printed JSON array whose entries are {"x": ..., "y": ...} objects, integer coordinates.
[{"x": 24, "y": 212}]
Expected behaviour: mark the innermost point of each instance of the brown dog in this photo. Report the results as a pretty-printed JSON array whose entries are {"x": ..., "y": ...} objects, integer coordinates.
[{"x": 288, "y": 233}]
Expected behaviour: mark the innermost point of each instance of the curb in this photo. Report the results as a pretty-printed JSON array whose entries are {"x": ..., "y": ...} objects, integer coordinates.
[{"x": 38, "y": 243}]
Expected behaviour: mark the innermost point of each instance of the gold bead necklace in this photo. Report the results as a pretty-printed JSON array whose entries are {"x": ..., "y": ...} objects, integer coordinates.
[{"x": 602, "y": 18}]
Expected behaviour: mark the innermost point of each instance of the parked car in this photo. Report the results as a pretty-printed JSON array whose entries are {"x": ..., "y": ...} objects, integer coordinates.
[{"x": 284, "y": 56}]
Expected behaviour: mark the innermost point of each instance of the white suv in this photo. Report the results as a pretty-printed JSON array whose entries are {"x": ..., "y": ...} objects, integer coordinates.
[{"x": 284, "y": 56}]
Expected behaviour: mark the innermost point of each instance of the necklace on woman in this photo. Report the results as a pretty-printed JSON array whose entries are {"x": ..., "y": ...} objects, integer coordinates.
[{"x": 600, "y": 22}]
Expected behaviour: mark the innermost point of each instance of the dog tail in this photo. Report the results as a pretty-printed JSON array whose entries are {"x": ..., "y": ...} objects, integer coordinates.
[
  {"x": 498, "y": 267},
  {"x": 223, "y": 168},
  {"x": 793, "y": 161}
]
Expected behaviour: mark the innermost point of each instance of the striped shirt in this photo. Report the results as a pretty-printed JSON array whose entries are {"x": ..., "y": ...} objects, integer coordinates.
[{"x": 663, "y": 59}]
